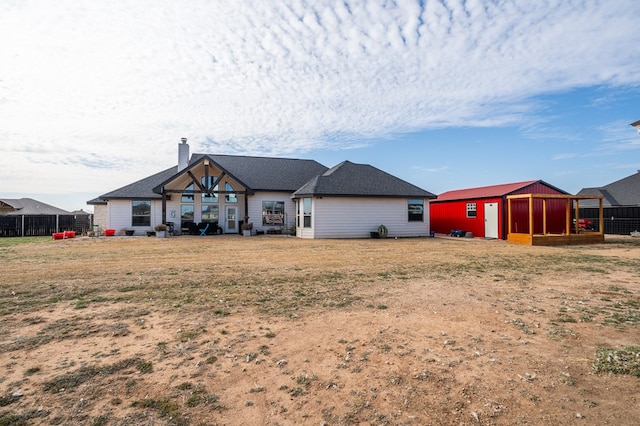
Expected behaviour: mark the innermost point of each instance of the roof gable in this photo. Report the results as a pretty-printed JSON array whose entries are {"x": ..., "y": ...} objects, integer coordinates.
[
  {"x": 492, "y": 191},
  {"x": 350, "y": 179},
  {"x": 266, "y": 173},
  {"x": 623, "y": 192}
]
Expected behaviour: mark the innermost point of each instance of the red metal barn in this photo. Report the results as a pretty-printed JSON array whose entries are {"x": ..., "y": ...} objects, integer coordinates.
[{"x": 483, "y": 210}]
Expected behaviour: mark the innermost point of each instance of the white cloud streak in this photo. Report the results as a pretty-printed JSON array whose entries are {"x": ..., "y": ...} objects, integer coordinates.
[{"x": 102, "y": 85}]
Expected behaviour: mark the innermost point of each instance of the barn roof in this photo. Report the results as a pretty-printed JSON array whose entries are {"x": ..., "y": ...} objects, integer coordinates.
[
  {"x": 358, "y": 180},
  {"x": 623, "y": 192},
  {"x": 490, "y": 191}
]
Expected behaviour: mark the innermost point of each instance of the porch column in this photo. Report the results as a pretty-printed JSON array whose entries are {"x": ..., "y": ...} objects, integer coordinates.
[
  {"x": 531, "y": 216},
  {"x": 601, "y": 217},
  {"x": 164, "y": 206},
  {"x": 567, "y": 216},
  {"x": 544, "y": 216}
]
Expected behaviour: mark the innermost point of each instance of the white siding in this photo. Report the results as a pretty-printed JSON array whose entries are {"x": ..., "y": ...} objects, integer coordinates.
[
  {"x": 335, "y": 217},
  {"x": 255, "y": 209},
  {"x": 119, "y": 216}
]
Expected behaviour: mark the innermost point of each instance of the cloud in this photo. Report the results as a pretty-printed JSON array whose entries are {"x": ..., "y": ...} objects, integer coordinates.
[{"x": 114, "y": 85}]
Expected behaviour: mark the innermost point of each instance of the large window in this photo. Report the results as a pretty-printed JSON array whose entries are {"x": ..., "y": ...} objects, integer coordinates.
[
  {"x": 186, "y": 213},
  {"x": 210, "y": 184},
  {"x": 141, "y": 213},
  {"x": 188, "y": 198},
  {"x": 306, "y": 212},
  {"x": 230, "y": 197},
  {"x": 210, "y": 213},
  {"x": 416, "y": 210},
  {"x": 273, "y": 212},
  {"x": 471, "y": 210}
]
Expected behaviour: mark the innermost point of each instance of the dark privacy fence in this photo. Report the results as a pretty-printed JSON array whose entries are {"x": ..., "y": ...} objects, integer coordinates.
[
  {"x": 617, "y": 220},
  {"x": 39, "y": 225}
]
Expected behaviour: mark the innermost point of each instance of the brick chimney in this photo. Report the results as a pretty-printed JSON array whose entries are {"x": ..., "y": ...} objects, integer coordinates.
[{"x": 183, "y": 154}]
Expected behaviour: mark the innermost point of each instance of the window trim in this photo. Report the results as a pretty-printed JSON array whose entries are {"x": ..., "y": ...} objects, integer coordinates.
[
  {"x": 146, "y": 217},
  {"x": 413, "y": 216},
  {"x": 472, "y": 210}
]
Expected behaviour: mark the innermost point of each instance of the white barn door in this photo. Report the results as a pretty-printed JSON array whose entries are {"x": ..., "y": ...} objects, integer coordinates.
[{"x": 491, "y": 220}]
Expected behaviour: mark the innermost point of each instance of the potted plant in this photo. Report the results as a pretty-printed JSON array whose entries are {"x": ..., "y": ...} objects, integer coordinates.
[
  {"x": 161, "y": 230},
  {"x": 292, "y": 230},
  {"x": 247, "y": 227}
]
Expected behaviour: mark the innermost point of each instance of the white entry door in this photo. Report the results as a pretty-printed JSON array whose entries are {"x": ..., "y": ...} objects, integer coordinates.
[
  {"x": 231, "y": 222},
  {"x": 491, "y": 220}
]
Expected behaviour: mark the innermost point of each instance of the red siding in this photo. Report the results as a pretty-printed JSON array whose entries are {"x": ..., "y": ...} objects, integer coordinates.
[{"x": 451, "y": 214}]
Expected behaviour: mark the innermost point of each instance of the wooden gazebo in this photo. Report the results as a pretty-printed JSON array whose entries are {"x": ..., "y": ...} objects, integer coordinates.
[{"x": 550, "y": 219}]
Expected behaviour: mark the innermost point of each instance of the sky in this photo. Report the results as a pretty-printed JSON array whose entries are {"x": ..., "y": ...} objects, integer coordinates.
[{"x": 445, "y": 94}]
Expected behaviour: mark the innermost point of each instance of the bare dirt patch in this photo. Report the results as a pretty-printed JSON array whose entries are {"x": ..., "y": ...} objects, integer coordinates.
[{"x": 278, "y": 331}]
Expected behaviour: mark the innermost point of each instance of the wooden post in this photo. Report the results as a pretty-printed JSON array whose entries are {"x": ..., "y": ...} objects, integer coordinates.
[
  {"x": 164, "y": 206},
  {"x": 567, "y": 228},
  {"x": 531, "y": 216},
  {"x": 509, "y": 215},
  {"x": 577, "y": 216},
  {"x": 544, "y": 216},
  {"x": 601, "y": 217}
]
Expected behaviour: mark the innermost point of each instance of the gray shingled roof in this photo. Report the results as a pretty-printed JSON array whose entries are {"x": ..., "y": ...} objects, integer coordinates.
[
  {"x": 29, "y": 206},
  {"x": 266, "y": 173},
  {"x": 623, "y": 192},
  {"x": 142, "y": 189},
  {"x": 360, "y": 180},
  {"x": 308, "y": 177}
]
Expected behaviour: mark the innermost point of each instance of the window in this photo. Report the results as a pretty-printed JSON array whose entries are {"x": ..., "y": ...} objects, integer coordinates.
[
  {"x": 210, "y": 184},
  {"x": 210, "y": 213},
  {"x": 186, "y": 213},
  {"x": 306, "y": 212},
  {"x": 471, "y": 210},
  {"x": 273, "y": 212},
  {"x": 188, "y": 198},
  {"x": 141, "y": 213},
  {"x": 230, "y": 197},
  {"x": 416, "y": 210}
]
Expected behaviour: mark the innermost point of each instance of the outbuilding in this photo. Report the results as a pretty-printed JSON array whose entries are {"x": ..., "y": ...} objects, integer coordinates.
[{"x": 483, "y": 211}]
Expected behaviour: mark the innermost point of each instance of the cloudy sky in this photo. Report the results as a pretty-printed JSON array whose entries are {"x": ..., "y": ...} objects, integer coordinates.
[{"x": 445, "y": 94}]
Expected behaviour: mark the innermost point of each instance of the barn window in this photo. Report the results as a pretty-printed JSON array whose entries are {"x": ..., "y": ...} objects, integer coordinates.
[
  {"x": 471, "y": 210},
  {"x": 273, "y": 212},
  {"x": 416, "y": 210},
  {"x": 141, "y": 213}
]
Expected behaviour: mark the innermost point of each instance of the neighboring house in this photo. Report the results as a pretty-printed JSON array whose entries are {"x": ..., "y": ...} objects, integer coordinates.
[
  {"x": 21, "y": 217},
  {"x": 621, "y": 205},
  {"x": 483, "y": 211},
  {"x": 275, "y": 194}
]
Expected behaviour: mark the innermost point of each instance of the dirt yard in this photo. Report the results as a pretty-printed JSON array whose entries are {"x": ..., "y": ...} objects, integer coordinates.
[{"x": 272, "y": 330}]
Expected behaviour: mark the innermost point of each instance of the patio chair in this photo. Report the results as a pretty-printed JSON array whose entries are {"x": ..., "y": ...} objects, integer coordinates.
[{"x": 203, "y": 231}]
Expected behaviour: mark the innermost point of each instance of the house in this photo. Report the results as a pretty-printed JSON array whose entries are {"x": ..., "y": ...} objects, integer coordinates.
[
  {"x": 20, "y": 217},
  {"x": 220, "y": 192},
  {"x": 621, "y": 205}
]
